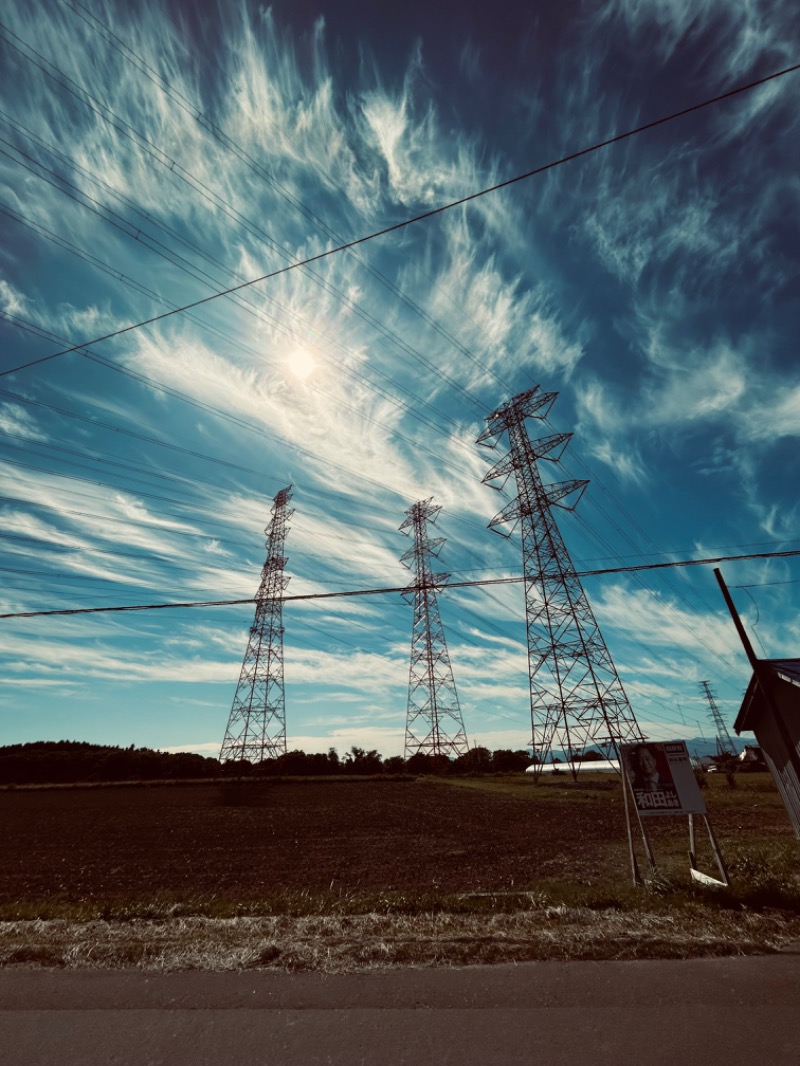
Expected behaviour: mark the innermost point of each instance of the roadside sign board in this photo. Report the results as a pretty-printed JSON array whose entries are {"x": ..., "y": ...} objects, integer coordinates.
[{"x": 662, "y": 779}]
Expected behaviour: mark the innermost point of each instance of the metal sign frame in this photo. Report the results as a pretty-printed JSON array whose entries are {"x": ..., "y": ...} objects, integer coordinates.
[{"x": 658, "y": 780}]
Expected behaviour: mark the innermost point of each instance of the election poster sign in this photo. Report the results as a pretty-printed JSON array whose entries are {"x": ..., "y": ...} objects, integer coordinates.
[{"x": 661, "y": 778}]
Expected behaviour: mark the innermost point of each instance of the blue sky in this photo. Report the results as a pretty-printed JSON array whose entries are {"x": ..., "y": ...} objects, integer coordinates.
[{"x": 153, "y": 154}]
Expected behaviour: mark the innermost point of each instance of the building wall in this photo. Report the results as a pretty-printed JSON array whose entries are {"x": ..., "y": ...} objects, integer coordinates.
[{"x": 787, "y": 698}]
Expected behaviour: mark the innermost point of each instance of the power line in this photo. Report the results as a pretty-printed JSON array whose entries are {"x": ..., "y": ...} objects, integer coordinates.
[
  {"x": 143, "y": 143},
  {"x": 765, "y": 584},
  {"x": 571, "y": 157},
  {"x": 230, "y": 144},
  {"x": 137, "y": 233},
  {"x": 305, "y": 597},
  {"x": 115, "y": 366}
]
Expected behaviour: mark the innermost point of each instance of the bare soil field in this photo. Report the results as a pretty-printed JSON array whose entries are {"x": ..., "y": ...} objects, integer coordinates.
[
  {"x": 335, "y": 873},
  {"x": 243, "y": 842}
]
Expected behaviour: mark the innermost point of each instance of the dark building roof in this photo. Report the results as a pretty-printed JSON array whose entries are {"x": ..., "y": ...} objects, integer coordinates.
[{"x": 776, "y": 673}]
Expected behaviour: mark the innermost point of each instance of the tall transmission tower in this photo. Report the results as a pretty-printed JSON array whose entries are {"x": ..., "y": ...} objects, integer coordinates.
[
  {"x": 434, "y": 724},
  {"x": 576, "y": 696},
  {"x": 724, "y": 742},
  {"x": 257, "y": 724}
]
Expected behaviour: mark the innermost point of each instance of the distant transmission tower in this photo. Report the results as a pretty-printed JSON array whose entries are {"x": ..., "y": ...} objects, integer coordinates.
[
  {"x": 577, "y": 698},
  {"x": 434, "y": 725},
  {"x": 257, "y": 723},
  {"x": 724, "y": 742}
]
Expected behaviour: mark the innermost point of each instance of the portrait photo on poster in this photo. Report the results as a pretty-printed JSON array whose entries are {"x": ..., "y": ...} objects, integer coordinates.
[{"x": 661, "y": 778}]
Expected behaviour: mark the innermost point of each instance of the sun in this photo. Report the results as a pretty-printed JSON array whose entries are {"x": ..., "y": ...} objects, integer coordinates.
[{"x": 301, "y": 364}]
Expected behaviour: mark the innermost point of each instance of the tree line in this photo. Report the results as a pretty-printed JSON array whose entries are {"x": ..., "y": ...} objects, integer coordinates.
[
  {"x": 69, "y": 762},
  {"x": 360, "y": 761}
]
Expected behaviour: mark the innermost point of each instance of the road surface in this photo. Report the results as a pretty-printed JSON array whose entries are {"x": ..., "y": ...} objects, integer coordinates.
[{"x": 718, "y": 1012}]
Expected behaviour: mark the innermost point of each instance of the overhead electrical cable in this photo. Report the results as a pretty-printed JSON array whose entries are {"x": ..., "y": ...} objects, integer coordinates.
[
  {"x": 150, "y": 527},
  {"x": 630, "y": 523},
  {"x": 766, "y": 584},
  {"x": 231, "y": 145},
  {"x": 175, "y": 447},
  {"x": 570, "y": 157},
  {"x": 80, "y": 459},
  {"x": 665, "y": 604},
  {"x": 178, "y": 480},
  {"x": 120, "y": 368},
  {"x": 593, "y": 532},
  {"x": 238, "y": 421},
  {"x": 140, "y": 236},
  {"x": 143, "y": 143},
  {"x": 305, "y": 597}
]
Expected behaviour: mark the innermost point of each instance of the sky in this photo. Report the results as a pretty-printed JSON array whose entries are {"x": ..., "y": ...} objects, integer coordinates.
[{"x": 156, "y": 154}]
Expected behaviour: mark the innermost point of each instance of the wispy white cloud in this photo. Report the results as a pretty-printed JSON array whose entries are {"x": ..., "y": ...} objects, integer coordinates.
[
  {"x": 697, "y": 386},
  {"x": 369, "y": 675},
  {"x": 469, "y": 60},
  {"x": 775, "y": 413},
  {"x": 660, "y": 622},
  {"x": 740, "y": 34},
  {"x": 625, "y": 463},
  {"x": 66, "y": 659},
  {"x": 12, "y": 302},
  {"x": 18, "y": 422},
  {"x": 648, "y": 284}
]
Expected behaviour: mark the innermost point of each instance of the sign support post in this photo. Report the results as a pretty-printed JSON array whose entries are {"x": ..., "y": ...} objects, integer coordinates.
[
  {"x": 697, "y": 875},
  {"x": 637, "y": 877}
]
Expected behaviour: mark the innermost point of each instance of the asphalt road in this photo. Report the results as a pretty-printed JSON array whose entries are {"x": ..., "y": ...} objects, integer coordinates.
[{"x": 718, "y": 1012}]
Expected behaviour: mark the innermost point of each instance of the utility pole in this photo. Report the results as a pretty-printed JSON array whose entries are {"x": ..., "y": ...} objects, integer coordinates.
[
  {"x": 434, "y": 724},
  {"x": 576, "y": 695},
  {"x": 724, "y": 742},
  {"x": 257, "y": 724}
]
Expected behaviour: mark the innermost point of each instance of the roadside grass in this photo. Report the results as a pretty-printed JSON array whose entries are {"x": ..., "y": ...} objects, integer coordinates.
[
  {"x": 348, "y": 932},
  {"x": 342, "y": 944}
]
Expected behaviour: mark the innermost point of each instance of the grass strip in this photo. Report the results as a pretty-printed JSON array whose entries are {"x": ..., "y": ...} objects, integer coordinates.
[{"x": 343, "y": 944}]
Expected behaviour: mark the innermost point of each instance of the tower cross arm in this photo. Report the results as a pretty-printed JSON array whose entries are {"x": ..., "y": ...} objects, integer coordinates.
[
  {"x": 530, "y": 404},
  {"x": 503, "y": 469},
  {"x": 510, "y": 513},
  {"x": 558, "y": 493},
  {"x": 423, "y": 510},
  {"x": 550, "y": 448}
]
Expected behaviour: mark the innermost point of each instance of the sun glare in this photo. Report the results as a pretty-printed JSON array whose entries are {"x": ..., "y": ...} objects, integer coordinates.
[{"x": 301, "y": 364}]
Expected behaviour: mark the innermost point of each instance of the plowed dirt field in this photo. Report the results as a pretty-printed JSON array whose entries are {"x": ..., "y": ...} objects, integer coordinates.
[{"x": 247, "y": 842}]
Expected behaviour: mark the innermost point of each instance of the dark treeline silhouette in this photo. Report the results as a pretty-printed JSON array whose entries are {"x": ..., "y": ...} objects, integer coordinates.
[
  {"x": 359, "y": 761},
  {"x": 69, "y": 761}
]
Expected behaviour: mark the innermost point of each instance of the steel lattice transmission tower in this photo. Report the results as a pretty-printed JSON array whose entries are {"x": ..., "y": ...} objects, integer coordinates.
[
  {"x": 577, "y": 698},
  {"x": 257, "y": 723},
  {"x": 724, "y": 742},
  {"x": 434, "y": 724}
]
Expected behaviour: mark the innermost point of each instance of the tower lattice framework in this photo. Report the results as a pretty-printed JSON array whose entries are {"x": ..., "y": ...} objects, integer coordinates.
[
  {"x": 434, "y": 723},
  {"x": 724, "y": 743},
  {"x": 257, "y": 724},
  {"x": 576, "y": 696}
]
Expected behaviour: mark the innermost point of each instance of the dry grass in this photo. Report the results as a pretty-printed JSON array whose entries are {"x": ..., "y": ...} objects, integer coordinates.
[{"x": 341, "y": 944}]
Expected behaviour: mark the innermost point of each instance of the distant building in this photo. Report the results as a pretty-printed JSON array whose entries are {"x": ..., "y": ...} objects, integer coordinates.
[
  {"x": 589, "y": 766},
  {"x": 751, "y": 759},
  {"x": 771, "y": 710}
]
